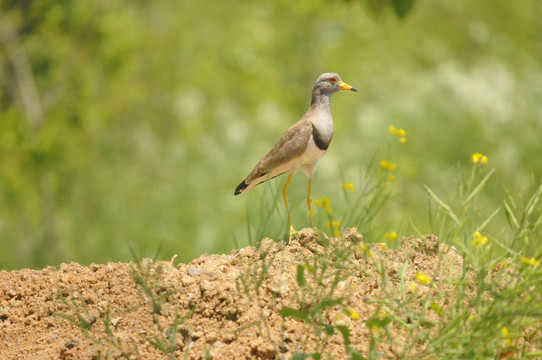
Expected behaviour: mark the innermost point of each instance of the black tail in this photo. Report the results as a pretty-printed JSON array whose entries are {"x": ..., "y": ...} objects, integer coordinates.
[{"x": 242, "y": 186}]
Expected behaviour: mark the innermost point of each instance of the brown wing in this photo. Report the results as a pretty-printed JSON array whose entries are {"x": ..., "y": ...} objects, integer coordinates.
[{"x": 291, "y": 145}]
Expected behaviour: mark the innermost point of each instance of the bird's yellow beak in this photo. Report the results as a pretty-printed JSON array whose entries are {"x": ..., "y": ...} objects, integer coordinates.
[{"x": 345, "y": 86}]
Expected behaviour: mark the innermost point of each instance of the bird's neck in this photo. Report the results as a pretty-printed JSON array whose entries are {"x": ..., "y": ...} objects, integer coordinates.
[
  {"x": 322, "y": 120},
  {"x": 320, "y": 100}
]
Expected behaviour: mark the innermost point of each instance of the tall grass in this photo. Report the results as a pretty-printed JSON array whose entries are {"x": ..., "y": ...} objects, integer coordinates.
[{"x": 494, "y": 310}]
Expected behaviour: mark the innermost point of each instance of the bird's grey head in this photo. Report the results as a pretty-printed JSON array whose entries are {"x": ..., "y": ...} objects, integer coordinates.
[{"x": 328, "y": 84}]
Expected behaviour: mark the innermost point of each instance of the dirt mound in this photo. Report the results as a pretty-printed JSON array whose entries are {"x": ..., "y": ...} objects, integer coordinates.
[{"x": 313, "y": 295}]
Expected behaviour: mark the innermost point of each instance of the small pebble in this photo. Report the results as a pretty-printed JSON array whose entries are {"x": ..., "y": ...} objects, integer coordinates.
[
  {"x": 70, "y": 344},
  {"x": 115, "y": 321},
  {"x": 193, "y": 271}
]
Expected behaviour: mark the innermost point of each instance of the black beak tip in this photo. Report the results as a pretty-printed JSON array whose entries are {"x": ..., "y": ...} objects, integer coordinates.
[{"x": 354, "y": 89}]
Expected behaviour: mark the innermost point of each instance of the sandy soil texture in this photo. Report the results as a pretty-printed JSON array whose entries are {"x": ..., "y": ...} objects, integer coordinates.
[{"x": 222, "y": 306}]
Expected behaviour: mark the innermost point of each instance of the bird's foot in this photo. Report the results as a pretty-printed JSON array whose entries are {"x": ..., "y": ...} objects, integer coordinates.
[{"x": 293, "y": 233}]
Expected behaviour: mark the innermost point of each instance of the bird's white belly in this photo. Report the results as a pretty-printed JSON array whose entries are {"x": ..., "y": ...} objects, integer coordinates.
[
  {"x": 308, "y": 160},
  {"x": 313, "y": 153}
]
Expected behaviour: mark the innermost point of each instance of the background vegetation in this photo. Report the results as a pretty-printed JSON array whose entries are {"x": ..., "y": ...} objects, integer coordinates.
[{"x": 130, "y": 123}]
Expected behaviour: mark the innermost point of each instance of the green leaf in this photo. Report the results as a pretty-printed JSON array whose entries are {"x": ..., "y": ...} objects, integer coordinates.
[
  {"x": 345, "y": 332},
  {"x": 376, "y": 323},
  {"x": 402, "y": 7},
  {"x": 301, "y": 356},
  {"x": 301, "y": 275},
  {"x": 488, "y": 220},
  {"x": 479, "y": 186},
  {"x": 327, "y": 303},
  {"x": 443, "y": 205},
  {"x": 509, "y": 212},
  {"x": 298, "y": 314},
  {"x": 437, "y": 308},
  {"x": 355, "y": 355},
  {"x": 533, "y": 201}
]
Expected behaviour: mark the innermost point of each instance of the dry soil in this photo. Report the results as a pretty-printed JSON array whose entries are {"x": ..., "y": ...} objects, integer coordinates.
[{"x": 220, "y": 306}]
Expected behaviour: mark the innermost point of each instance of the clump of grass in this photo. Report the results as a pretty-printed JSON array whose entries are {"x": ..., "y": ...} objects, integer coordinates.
[
  {"x": 147, "y": 275},
  {"x": 250, "y": 286},
  {"x": 491, "y": 311},
  {"x": 495, "y": 297},
  {"x": 360, "y": 203},
  {"x": 317, "y": 298},
  {"x": 85, "y": 319}
]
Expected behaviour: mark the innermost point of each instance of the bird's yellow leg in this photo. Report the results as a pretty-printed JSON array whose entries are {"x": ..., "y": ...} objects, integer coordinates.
[
  {"x": 285, "y": 196},
  {"x": 309, "y": 201}
]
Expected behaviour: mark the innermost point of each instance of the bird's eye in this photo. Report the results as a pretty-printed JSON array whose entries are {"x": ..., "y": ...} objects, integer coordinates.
[{"x": 333, "y": 80}]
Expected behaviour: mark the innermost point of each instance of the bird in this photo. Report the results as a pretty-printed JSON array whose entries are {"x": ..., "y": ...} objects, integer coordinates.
[{"x": 302, "y": 145}]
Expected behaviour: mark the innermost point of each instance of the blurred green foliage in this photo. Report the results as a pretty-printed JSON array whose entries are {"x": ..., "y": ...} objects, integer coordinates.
[{"x": 131, "y": 122}]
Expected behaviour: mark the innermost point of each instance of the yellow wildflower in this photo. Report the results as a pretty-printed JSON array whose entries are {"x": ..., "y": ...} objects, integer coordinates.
[
  {"x": 351, "y": 313},
  {"x": 532, "y": 261},
  {"x": 394, "y": 131},
  {"x": 325, "y": 203},
  {"x": 398, "y": 132},
  {"x": 423, "y": 279},
  {"x": 414, "y": 286},
  {"x": 506, "y": 337},
  {"x": 384, "y": 245},
  {"x": 479, "y": 158},
  {"x": 478, "y": 240},
  {"x": 335, "y": 224},
  {"x": 365, "y": 248},
  {"x": 348, "y": 186},
  {"x": 390, "y": 178},
  {"x": 387, "y": 165},
  {"x": 392, "y": 236}
]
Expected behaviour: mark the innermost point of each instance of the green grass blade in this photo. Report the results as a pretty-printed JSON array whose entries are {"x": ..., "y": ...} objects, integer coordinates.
[
  {"x": 488, "y": 220},
  {"x": 298, "y": 314},
  {"x": 442, "y": 204},
  {"x": 345, "y": 333},
  {"x": 479, "y": 186},
  {"x": 510, "y": 216},
  {"x": 300, "y": 275},
  {"x": 533, "y": 201}
]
